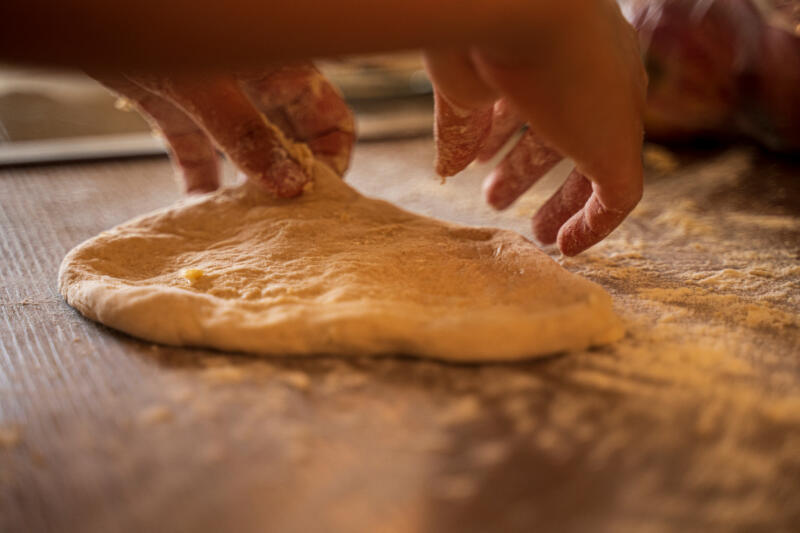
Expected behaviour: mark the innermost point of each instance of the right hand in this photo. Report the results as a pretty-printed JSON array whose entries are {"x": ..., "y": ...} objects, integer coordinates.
[{"x": 580, "y": 86}]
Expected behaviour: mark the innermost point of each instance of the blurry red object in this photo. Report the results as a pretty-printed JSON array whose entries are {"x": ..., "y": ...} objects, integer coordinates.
[{"x": 721, "y": 68}]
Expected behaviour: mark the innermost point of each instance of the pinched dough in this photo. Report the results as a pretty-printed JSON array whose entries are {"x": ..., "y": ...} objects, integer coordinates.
[{"x": 331, "y": 272}]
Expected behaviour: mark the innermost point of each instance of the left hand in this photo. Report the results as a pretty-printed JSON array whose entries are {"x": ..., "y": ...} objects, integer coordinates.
[{"x": 239, "y": 115}]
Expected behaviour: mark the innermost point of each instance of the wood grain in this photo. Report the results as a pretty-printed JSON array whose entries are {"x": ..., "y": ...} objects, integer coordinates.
[{"x": 691, "y": 423}]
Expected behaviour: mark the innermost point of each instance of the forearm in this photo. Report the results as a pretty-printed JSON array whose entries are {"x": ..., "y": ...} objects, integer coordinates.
[{"x": 191, "y": 34}]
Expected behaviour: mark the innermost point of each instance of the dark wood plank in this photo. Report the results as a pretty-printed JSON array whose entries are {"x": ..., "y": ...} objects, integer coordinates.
[{"x": 692, "y": 422}]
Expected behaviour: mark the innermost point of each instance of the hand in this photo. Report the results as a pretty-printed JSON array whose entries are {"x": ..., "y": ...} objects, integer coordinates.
[
  {"x": 580, "y": 88},
  {"x": 245, "y": 116}
]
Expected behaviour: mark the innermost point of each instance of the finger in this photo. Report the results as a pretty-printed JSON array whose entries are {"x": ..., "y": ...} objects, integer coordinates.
[
  {"x": 524, "y": 165},
  {"x": 459, "y": 134},
  {"x": 564, "y": 203},
  {"x": 251, "y": 142},
  {"x": 462, "y": 110},
  {"x": 601, "y": 214},
  {"x": 308, "y": 108},
  {"x": 585, "y": 98},
  {"x": 506, "y": 121},
  {"x": 588, "y": 107},
  {"x": 191, "y": 151}
]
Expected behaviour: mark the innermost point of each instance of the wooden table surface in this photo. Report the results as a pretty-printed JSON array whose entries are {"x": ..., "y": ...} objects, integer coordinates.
[{"x": 690, "y": 423}]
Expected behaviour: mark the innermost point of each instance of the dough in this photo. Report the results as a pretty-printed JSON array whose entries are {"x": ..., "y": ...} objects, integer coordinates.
[{"x": 331, "y": 272}]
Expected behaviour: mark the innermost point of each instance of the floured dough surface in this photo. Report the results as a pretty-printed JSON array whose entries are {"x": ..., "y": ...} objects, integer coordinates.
[{"x": 331, "y": 272}]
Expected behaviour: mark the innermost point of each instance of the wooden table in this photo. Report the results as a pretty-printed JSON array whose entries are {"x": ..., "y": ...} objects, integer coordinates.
[{"x": 691, "y": 423}]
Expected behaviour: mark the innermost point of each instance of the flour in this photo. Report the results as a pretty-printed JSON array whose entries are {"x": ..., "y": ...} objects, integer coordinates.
[
  {"x": 711, "y": 307},
  {"x": 728, "y": 307}
]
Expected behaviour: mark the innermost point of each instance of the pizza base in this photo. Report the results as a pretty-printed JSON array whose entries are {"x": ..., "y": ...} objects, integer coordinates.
[{"x": 331, "y": 272}]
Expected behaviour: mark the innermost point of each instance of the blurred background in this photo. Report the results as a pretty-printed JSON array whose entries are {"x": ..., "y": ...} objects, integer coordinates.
[
  {"x": 47, "y": 116},
  {"x": 719, "y": 70}
]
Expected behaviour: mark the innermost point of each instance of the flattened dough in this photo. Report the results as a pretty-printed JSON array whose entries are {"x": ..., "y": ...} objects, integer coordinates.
[{"x": 332, "y": 272}]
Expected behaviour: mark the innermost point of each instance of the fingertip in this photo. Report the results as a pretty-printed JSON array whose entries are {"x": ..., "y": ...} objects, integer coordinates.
[
  {"x": 459, "y": 134},
  {"x": 200, "y": 189},
  {"x": 593, "y": 223},
  {"x": 572, "y": 238},
  {"x": 560, "y": 207},
  {"x": 283, "y": 180},
  {"x": 569, "y": 243},
  {"x": 443, "y": 167},
  {"x": 495, "y": 191},
  {"x": 544, "y": 228}
]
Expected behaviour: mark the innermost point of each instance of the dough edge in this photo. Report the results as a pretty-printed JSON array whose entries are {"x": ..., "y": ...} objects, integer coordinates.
[{"x": 381, "y": 332}]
